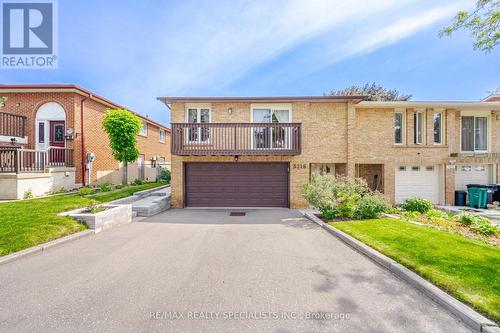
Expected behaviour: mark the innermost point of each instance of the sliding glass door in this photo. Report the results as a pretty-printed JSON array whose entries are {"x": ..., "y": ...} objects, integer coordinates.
[{"x": 270, "y": 137}]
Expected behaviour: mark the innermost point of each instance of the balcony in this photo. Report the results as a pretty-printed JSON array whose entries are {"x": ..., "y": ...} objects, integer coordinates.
[
  {"x": 218, "y": 139},
  {"x": 12, "y": 126}
]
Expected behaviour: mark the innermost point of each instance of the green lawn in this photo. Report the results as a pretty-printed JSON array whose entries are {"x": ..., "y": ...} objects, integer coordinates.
[
  {"x": 468, "y": 269},
  {"x": 27, "y": 223}
]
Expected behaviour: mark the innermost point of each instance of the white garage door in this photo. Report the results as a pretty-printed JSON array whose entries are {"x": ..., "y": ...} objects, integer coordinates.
[
  {"x": 417, "y": 181},
  {"x": 471, "y": 174}
]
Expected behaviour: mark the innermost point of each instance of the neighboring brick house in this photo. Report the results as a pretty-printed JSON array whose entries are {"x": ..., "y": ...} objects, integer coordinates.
[
  {"x": 65, "y": 121},
  {"x": 260, "y": 151}
]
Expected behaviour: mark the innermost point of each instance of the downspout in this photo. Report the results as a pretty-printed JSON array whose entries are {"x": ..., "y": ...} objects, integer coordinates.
[{"x": 83, "y": 141}]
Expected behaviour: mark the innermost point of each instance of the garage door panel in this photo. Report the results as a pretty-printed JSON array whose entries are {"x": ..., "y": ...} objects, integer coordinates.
[
  {"x": 236, "y": 184},
  {"x": 422, "y": 183}
]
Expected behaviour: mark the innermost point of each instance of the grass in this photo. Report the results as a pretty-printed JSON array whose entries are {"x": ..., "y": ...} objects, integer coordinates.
[
  {"x": 31, "y": 222},
  {"x": 123, "y": 192},
  {"x": 466, "y": 268}
]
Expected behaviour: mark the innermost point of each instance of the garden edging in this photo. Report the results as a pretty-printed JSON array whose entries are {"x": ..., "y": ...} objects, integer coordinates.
[
  {"x": 45, "y": 246},
  {"x": 469, "y": 316}
]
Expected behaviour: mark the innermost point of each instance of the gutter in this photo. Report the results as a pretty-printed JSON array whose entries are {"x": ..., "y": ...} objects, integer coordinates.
[{"x": 82, "y": 102}]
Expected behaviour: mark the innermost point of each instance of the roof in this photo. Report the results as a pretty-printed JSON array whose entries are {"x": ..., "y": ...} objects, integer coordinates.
[
  {"x": 261, "y": 99},
  {"x": 23, "y": 88},
  {"x": 431, "y": 104},
  {"x": 495, "y": 97}
]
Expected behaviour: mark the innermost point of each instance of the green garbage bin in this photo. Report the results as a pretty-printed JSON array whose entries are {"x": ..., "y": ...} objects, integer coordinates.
[{"x": 477, "y": 197}]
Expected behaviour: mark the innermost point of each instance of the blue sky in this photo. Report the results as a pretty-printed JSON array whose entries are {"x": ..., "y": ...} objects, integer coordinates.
[{"x": 134, "y": 51}]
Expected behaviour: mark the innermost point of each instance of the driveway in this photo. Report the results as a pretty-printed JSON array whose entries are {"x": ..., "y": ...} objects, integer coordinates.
[{"x": 204, "y": 271}]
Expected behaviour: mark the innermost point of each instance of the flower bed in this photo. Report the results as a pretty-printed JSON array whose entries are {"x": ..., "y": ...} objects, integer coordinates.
[{"x": 467, "y": 224}]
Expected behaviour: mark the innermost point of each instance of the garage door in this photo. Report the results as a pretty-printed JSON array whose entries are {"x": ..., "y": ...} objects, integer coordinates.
[
  {"x": 236, "y": 184},
  {"x": 471, "y": 174},
  {"x": 417, "y": 181}
]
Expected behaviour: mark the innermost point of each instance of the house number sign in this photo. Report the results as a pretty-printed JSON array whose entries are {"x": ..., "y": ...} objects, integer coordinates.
[{"x": 299, "y": 166}]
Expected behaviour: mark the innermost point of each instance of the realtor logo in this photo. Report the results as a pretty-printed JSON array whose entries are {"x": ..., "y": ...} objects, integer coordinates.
[{"x": 29, "y": 34}]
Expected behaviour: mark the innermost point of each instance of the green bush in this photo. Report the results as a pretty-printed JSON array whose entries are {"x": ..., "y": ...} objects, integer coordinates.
[
  {"x": 85, "y": 190},
  {"x": 138, "y": 181},
  {"x": 370, "y": 206},
  {"x": 420, "y": 205},
  {"x": 165, "y": 175},
  {"x": 435, "y": 214},
  {"x": 478, "y": 224},
  {"x": 28, "y": 194},
  {"x": 62, "y": 190},
  {"x": 106, "y": 187},
  {"x": 335, "y": 196}
]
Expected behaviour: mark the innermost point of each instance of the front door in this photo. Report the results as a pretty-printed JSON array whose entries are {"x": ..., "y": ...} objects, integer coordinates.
[
  {"x": 57, "y": 133},
  {"x": 56, "y": 155}
]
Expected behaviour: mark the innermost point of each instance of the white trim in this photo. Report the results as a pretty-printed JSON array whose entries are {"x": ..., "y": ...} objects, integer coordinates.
[
  {"x": 487, "y": 106},
  {"x": 416, "y": 124},
  {"x": 21, "y": 140},
  {"x": 477, "y": 113},
  {"x": 442, "y": 136},
  {"x": 271, "y": 107},
  {"x": 198, "y": 107},
  {"x": 403, "y": 126},
  {"x": 142, "y": 126}
]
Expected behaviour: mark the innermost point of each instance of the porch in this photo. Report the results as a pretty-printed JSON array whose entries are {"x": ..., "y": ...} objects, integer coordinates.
[{"x": 28, "y": 172}]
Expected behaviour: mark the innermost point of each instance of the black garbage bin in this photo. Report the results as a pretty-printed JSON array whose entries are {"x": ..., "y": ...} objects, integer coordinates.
[
  {"x": 496, "y": 192},
  {"x": 460, "y": 198}
]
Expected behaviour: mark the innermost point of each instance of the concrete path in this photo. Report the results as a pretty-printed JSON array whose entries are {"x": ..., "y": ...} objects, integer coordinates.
[{"x": 204, "y": 271}]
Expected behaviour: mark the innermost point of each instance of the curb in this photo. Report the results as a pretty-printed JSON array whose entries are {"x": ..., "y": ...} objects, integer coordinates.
[
  {"x": 44, "y": 246},
  {"x": 465, "y": 313}
]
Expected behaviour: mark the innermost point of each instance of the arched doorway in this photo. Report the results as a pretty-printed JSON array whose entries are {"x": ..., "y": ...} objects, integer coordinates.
[{"x": 50, "y": 126}]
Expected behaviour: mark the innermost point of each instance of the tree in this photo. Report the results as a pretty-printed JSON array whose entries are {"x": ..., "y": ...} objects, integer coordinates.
[
  {"x": 483, "y": 23},
  {"x": 122, "y": 127},
  {"x": 373, "y": 92}
]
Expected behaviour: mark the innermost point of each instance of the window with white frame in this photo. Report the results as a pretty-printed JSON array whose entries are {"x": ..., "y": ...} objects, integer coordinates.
[
  {"x": 271, "y": 136},
  {"x": 144, "y": 129},
  {"x": 399, "y": 127},
  {"x": 418, "y": 127},
  {"x": 474, "y": 133},
  {"x": 198, "y": 115},
  {"x": 162, "y": 135},
  {"x": 438, "y": 127}
]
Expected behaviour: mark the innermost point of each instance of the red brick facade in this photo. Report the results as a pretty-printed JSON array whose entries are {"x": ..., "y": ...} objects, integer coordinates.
[{"x": 27, "y": 100}]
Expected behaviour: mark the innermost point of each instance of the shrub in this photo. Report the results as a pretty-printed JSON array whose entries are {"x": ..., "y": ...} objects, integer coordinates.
[
  {"x": 478, "y": 224},
  {"x": 371, "y": 205},
  {"x": 165, "y": 175},
  {"x": 335, "y": 196},
  {"x": 62, "y": 190},
  {"x": 435, "y": 214},
  {"x": 138, "y": 181},
  {"x": 85, "y": 191},
  {"x": 106, "y": 187},
  {"x": 119, "y": 186},
  {"x": 28, "y": 194},
  {"x": 420, "y": 205}
]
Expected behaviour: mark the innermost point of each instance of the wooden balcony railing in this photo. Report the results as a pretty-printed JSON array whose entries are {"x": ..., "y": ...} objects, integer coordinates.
[
  {"x": 12, "y": 125},
  {"x": 236, "y": 139},
  {"x": 16, "y": 160}
]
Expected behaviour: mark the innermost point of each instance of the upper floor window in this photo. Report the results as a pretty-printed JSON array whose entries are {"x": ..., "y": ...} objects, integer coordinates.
[
  {"x": 162, "y": 135},
  {"x": 198, "y": 115},
  {"x": 438, "y": 127},
  {"x": 474, "y": 133},
  {"x": 273, "y": 136},
  {"x": 144, "y": 129},
  {"x": 398, "y": 127},
  {"x": 418, "y": 127}
]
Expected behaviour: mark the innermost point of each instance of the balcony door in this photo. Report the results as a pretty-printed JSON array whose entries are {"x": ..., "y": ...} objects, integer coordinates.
[
  {"x": 198, "y": 134},
  {"x": 270, "y": 137}
]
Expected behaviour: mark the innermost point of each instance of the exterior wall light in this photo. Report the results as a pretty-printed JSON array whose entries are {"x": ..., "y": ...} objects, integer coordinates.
[{"x": 230, "y": 110}]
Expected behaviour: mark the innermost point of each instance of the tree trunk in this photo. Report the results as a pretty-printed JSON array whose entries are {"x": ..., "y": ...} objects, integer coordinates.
[{"x": 125, "y": 173}]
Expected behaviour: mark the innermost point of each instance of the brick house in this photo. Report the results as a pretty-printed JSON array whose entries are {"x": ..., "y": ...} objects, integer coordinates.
[
  {"x": 56, "y": 126},
  {"x": 260, "y": 151}
]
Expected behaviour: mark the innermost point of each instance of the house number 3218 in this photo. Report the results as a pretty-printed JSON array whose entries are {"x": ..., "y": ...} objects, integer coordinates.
[{"x": 300, "y": 166}]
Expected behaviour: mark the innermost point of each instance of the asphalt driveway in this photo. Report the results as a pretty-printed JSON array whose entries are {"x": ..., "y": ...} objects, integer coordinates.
[{"x": 203, "y": 271}]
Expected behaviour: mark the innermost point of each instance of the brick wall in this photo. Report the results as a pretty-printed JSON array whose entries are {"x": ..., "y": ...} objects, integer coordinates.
[
  {"x": 346, "y": 135},
  {"x": 96, "y": 140}
]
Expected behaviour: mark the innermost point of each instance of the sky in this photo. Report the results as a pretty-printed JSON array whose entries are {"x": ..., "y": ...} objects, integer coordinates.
[{"x": 131, "y": 52}]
